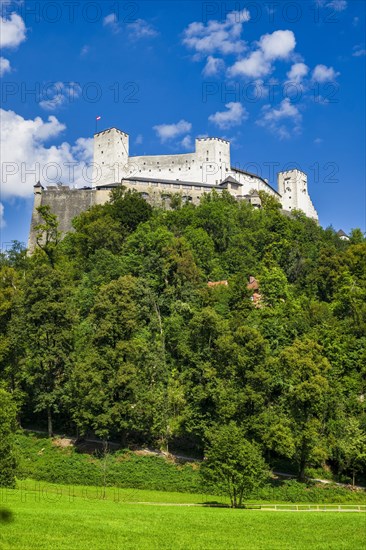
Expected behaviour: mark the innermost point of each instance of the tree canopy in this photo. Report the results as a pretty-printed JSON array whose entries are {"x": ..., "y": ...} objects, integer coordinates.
[{"x": 114, "y": 331}]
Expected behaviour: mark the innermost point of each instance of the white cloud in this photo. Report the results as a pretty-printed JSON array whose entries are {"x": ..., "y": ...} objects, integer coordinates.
[
  {"x": 355, "y": 21},
  {"x": 216, "y": 36},
  {"x": 167, "y": 132},
  {"x": 282, "y": 121},
  {"x": 186, "y": 143},
  {"x": 213, "y": 66},
  {"x": 233, "y": 116},
  {"x": 12, "y": 31},
  {"x": 254, "y": 66},
  {"x": 141, "y": 29},
  {"x": 139, "y": 139},
  {"x": 322, "y": 73},
  {"x": 278, "y": 45},
  {"x": 358, "y": 51},
  {"x": 59, "y": 94},
  {"x": 2, "y": 220},
  {"x": 318, "y": 141},
  {"x": 23, "y": 150},
  {"x": 297, "y": 72},
  {"x": 111, "y": 22},
  {"x": 4, "y": 66},
  {"x": 337, "y": 5}
]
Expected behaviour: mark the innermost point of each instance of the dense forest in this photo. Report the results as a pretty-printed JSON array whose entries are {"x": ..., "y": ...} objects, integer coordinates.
[{"x": 114, "y": 331}]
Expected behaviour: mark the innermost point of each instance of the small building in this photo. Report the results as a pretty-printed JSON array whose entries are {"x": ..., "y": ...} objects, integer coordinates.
[{"x": 342, "y": 235}]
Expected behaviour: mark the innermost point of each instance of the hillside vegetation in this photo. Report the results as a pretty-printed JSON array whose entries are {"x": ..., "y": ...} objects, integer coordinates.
[{"x": 114, "y": 331}]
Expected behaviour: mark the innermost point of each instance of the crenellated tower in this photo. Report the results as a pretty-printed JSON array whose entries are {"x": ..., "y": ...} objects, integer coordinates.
[{"x": 111, "y": 151}]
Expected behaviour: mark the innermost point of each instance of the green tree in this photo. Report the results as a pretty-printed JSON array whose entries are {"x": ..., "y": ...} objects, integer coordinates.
[
  {"x": 46, "y": 314},
  {"x": 48, "y": 235},
  {"x": 305, "y": 396},
  {"x": 7, "y": 429},
  {"x": 233, "y": 463},
  {"x": 351, "y": 447}
]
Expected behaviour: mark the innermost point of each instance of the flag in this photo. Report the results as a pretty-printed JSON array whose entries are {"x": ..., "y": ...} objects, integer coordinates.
[{"x": 99, "y": 117}]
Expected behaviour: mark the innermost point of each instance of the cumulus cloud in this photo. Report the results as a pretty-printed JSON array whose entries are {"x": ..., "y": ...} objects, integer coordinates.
[
  {"x": 282, "y": 121},
  {"x": 233, "y": 116},
  {"x": 213, "y": 66},
  {"x": 167, "y": 132},
  {"x": 277, "y": 45},
  {"x": 322, "y": 73},
  {"x": 12, "y": 31},
  {"x": 297, "y": 72},
  {"x": 141, "y": 29},
  {"x": 60, "y": 94},
  {"x": 26, "y": 157},
  {"x": 139, "y": 139},
  {"x": 223, "y": 37},
  {"x": 271, "y": 47},
  {"x": 254, "y": 66},
  {"x": 318, "y": 141},
  {"x": 4, "y": 66}
]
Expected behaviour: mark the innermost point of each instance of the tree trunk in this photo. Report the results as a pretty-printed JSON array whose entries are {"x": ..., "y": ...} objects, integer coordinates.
[
  {"x": 234, "y": 503},
  {"x": 353, "y": 478},
  {"x": 302, "y": 467},
  {"x": 49, "y": 420}
]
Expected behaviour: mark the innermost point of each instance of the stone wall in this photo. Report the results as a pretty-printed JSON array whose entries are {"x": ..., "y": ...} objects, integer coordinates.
[{"x": 66, "y": 203}]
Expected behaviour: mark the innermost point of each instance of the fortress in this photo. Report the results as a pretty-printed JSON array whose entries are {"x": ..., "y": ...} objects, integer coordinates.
[{"x": 159, "y": 177}]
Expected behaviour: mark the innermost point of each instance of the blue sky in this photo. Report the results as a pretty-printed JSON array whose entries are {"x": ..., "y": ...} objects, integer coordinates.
[{"x": 283, "y": 81}]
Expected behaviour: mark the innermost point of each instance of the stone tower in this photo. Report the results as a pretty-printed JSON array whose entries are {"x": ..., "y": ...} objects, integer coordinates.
[
  {"x": 111, "y": 151},
  {"x": 293, "y": 188}
]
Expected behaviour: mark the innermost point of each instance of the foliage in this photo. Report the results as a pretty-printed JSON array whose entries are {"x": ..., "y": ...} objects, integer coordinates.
[
  {"x": 7, "y": 429},
  {"x": 233, "y": 463},
  {"x": 114, "y": 332}
]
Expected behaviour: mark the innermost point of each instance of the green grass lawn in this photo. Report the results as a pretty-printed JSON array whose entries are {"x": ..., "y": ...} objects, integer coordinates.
[{"x": 67, "y": 519}]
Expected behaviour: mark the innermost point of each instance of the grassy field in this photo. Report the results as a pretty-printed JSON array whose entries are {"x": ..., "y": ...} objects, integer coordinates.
[{"x": 66, "y": 518}]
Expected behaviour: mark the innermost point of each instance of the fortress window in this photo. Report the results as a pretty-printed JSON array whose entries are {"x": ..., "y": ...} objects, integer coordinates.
[
  {"x": 180, "y": 169},
  {"x": 206, "y": 159}
]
